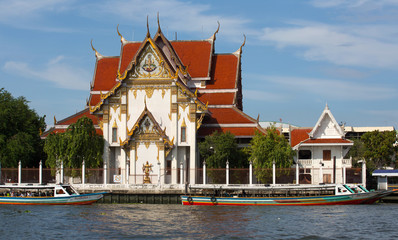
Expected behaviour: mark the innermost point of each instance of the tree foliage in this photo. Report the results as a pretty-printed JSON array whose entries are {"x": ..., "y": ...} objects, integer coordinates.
[
  {"x": 80, "y": 141},
  {"x": 379, "y": 149},
  {"x": 265, "y": 149},
  {"x": 217, "y": 148},
  {"x": 20, "y": 129}
]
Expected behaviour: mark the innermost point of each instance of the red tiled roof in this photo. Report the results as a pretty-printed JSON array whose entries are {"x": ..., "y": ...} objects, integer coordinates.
[
  {"x": 75, "y": 117},
  {"x": 332, "y": 140},
  {"x": 299, "y": 135},
  {"x": 196, "y": 55},
  {"x": 128, "y": 53},
  {"x": 227, "y": 115},
  {"x": 94, "y": 99},
  {"x": 106, "y": 73},
  {"x": 217, "y": 98},
  {"x": 223, "y": 72},
  {"x": 237, "y": 131}
]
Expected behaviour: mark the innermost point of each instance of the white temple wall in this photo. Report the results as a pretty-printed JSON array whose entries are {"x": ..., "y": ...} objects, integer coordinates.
[{"x": 146, "y": 152}]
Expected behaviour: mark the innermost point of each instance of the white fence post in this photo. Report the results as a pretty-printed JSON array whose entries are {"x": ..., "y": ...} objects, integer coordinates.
[
  {"x": 62, "y": 172},
  {"x": 227, "y": 174},
  {"x": 41, "y": 172},
  {"x": 105, "y": 173},
  {"x": 204, "y": 172},
  {"x": 297, "y": 173},
  {"x": 83, "y": 172},
  {"x": 19, "y": 172},
  {"x": 273, "y": 173},
  {"x": 251, "y": 173}
]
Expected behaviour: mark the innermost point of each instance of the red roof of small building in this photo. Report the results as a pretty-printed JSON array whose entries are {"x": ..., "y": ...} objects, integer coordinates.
[
  {"x": 194, "y": 54},
  {"x": 299, "y": 135},
  {"x": 329, "y": 140}
]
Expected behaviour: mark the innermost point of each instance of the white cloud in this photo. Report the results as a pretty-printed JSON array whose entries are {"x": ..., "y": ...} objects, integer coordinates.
[
  {"x": 56, "y": 72},
  {"x": 330, "y": 89},
  {"x": 341, "y": 45},
  {"x": 28, "y": 14},
  {"x": 365, "y": 4},
  {"x": 181, "y": 16}
]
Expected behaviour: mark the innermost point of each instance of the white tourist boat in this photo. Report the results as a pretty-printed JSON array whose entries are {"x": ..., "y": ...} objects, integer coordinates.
[{"x": 54, "y": 194}]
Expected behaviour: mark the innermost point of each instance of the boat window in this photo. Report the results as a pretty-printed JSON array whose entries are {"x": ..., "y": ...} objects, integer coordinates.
[
  {"x": 69, "y": 190},
  {"x": 60, "y": 191}
]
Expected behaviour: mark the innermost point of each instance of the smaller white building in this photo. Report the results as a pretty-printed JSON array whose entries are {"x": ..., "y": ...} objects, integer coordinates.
[{"x": 321, "y": 151}]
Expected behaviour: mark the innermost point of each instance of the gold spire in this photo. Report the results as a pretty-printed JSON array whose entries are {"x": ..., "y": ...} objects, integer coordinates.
[
  {"x": 148, "y": 34},
  {"x": 97, "y": 55},
  {"x": 122, "y": 39},
  {"x": 159, "y": 30}
]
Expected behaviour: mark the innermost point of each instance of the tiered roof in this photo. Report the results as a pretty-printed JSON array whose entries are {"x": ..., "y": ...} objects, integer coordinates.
[{"x": 218, "y": 76}]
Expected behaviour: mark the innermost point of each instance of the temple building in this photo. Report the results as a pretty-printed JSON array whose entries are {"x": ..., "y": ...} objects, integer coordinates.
[{"x": 157, "y": 100}]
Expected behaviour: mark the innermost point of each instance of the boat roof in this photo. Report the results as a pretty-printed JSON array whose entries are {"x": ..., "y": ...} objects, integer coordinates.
[
  {"x": 31, "y": 186},
  {"x": 385, "y": 173},
  {"x": 262, "y": 187}
]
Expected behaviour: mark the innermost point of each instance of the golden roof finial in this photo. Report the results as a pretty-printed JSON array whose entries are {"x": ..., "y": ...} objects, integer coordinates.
[
  {"x": 55, "y": 120},
  {"x": 97, "y": 55},
  {"x": 148, "y": 34},
  {"x": 159, "y": 30},
  {"x": 122, "y": 39},
  {"x": 145, "y": 102},
  {"x": 214, "y": 34},
  {"x": 244, "y": 41}
]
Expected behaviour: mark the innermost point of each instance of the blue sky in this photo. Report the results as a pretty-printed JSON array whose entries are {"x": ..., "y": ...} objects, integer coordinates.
[{"x": 299, "y": 55}]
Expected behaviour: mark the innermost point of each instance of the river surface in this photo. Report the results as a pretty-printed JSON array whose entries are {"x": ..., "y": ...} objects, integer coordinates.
[{"x": 146, "y": 221}]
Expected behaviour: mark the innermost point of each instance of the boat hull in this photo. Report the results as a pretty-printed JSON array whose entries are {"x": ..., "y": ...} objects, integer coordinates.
[
  {"x": 82, "y": 199},
  {"x": 360, "y": 198}
]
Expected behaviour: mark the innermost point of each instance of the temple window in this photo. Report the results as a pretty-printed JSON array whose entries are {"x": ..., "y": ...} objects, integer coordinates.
[
  {"x": 305, "y": 154},
  {"x": 114, "y": 134},
  {"x": 183, "y": 134},
  {"x": 168, "y": 167},
  {"x": 327, "y": 155}
]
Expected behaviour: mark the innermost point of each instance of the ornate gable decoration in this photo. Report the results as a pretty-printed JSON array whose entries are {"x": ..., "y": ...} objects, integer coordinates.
[
  {"x": 327, "y": 126},
  {"x": 150, "y": 64},
  {"x": 147, "y": 128}
]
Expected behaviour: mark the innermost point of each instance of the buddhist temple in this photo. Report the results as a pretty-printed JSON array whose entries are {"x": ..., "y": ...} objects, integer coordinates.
[{"x": 157, "y": 100}]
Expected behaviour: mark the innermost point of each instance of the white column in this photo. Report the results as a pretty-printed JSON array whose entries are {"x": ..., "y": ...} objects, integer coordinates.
[
  {"x": 182, "y": 174},
  {"x": 204, "y": 172},
  {"x": 297, "y": 173},
  {"x": 273, "y": 173},
  {"x": 62, "y": 172},
  {"x": 364, "y": 173},
  {"x": 41, "y": 172},
  {"x": 227, "y": 173},
  {"x": 19, "y": 172},
  {"x": 83, "y": 172},
  {"x": 251, "y": 173}
]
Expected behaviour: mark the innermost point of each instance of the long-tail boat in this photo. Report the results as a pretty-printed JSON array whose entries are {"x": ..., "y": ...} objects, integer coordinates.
[
  {"x": 55, "y": 194},
  {"x": 284, "y": 195}
]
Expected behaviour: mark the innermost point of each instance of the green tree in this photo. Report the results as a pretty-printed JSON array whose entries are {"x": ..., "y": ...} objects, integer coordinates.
[
  {"x": 379, "y": 149},
  {"x": 265, "y": 149},
  {"x": 20, "y": 129},
  {"x": 217, "y": 148},
  {"x": 80, "y": 141}
]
